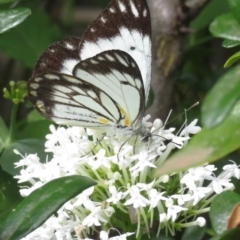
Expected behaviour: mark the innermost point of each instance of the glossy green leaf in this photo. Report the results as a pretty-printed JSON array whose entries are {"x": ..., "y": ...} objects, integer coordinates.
[
  {"x": 230, "y": 43},
  {"x": 26, "y": 146},
  {"x": 221, "y": 98},
  {"x": 234, "y": 6},
  {"x": 35, "y": 209},
  {"x": 226, "y": 26},
  {"x": 221, "y": 209},
  {"x": 34, "y": 36},
  {"x": 153, "y": 237},
  {"x": 206, "y": 146},
  {"x": 1, "y": 145},
  {"x": 150, "y": 98},
  {"x": 12, "y": 17},
  {"x": 194, "y": 232},
  {"x": 234, "y": 58},
  {"x": 232, "y": 234}
]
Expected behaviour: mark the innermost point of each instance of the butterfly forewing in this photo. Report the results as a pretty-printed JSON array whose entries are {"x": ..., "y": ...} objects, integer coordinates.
[
  {"x": 60, "y": 57},
  {"x": 106, "y": 90},
  {"x": 125, "y": 25}
]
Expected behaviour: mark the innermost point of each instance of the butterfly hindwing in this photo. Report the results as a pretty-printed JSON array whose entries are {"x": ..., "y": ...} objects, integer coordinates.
[
  {"x": 106, "y": 90},
  {"x": 124, "y": 25}
]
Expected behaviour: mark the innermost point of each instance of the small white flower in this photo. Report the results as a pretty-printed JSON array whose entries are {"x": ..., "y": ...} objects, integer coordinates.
[
  {"x": 163, "y": 217},
  {"x": 124, "y": 167},
  {"x": 104, "y": 236},
  {"x": 164, "y": 178},
  {"x": 179, "y": 141},
  {"x": 201, "y": 222},
  {"x": 26, "y": 191},
  {"x": 135, "y": 198},
  {"x": 31, "y": 159},
  {"x": 173, "y": 210},
  {"x": 94, "y": 218},
  {"x": 145, "y": 187},
  {"x": 191, "y": 129},
  {"x": 155, "y": 197},
  {"x": 99, "y": 160},
  {"x": 145, "y": 121},
  {"x": 182, "y": 198},
  {"x": 218, "y": 184},
  {"x": 83, "y": 198},
  {"x": 196, "y": 176},
  {"x": 144, "y": 161},
  {"x": 199, "y": 193},
  {"x": 232, "y": 170},
  {"x": 116, "y": 196}
]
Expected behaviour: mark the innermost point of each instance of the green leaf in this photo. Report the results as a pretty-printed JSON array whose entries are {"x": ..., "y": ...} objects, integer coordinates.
[
  {"x": 209, "y": 13},
  {"x": 29, "y": 130},
  {"x": 40, "y": 205},
  {"x": 34, "y": 116},
  {"x": 234, "y": 58},
  {"x": 221, "y": 99},
  {"x": 230, "y": 43},
  {"x": 206, "y": 146},
  {"x": 4, "y": 133},
  {"x": 194, "y": 232},
  {"x": 34, "y": 35},
  {"x": 9, "y": 193},
  {"x": 226, "y": 26},
  {"x": 29, "y": 146},
  {"x": 221, "y": 209},
  {"x": 233, "y": 3},
  {"x": 8, "y": 1},
  {"x": 13, "y": 17}
]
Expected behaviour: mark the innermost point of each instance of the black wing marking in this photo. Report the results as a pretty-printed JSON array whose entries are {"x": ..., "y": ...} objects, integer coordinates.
[{"x": 59, "y": 57}]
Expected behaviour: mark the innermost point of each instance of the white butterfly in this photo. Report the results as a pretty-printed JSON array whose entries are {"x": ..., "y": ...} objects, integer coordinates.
[{"x": 102, "y": 80}]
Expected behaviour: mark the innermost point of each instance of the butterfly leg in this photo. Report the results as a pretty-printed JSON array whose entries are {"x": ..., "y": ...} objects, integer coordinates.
[{"x": 97, "y": 143}]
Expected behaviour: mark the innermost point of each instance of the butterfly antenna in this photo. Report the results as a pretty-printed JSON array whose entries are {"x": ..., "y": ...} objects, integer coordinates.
[
  {"x": 122, "y": 147},
  {"x": 166, "y": 122},
  {"x": 185, "y": 111}
]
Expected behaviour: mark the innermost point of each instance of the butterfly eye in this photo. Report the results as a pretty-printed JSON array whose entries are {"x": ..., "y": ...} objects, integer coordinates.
[{"x": 132, "y": 48}]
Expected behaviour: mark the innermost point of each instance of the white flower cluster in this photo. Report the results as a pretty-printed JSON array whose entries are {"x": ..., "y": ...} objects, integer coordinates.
[{"x": 128, "y": 197}]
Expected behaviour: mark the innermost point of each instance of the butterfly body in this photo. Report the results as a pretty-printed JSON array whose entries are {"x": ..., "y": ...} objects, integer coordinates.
[{"x": 101, "y": 81}]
